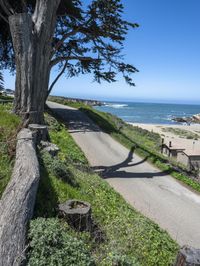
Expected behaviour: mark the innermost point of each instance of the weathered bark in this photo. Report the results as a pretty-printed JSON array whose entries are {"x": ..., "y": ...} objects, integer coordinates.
[
  {"x": 77, "y": 213},
  {"x": 17, "y": 202},
  {"x": 32, "y": 39}
]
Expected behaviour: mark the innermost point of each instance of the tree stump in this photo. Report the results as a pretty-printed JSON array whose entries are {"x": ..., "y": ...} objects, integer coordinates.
[
  {"x": 40, "y": 132},
  {"x": 77, "y": 213},
  {"x": 188, "y": 256}
]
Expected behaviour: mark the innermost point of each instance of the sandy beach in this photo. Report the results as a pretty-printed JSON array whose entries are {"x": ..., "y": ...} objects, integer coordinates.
[{"x": 183, "y": 136}]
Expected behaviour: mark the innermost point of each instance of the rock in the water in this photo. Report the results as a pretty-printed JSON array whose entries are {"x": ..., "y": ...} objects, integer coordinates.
[
  {"x": 193, "y": 119},
  {"x": 182, "y": 119},
  {"x": 196, "y": 118},
  {"x": 188, "y": 256},
  {"x": 77, "y": 213}
]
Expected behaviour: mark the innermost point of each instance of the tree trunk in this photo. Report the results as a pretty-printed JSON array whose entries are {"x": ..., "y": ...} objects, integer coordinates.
[
  {"x": 32, "y": 42},
  {"x": 17, "y": 202}
]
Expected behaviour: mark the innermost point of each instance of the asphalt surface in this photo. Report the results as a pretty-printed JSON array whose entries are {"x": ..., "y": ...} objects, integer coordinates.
[{"x": 154, "y": 193}]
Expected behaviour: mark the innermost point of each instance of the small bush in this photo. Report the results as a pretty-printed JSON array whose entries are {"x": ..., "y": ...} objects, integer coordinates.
[
  {"x": 52, "y": 123},
  {"x": 52, "y": 245},
  {"x": 57, "y": 168},
  {"x": 120, "y": 260}
]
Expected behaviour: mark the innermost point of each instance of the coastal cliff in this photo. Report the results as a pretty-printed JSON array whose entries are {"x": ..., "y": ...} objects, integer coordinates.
[{"x": 76, "y": 100}]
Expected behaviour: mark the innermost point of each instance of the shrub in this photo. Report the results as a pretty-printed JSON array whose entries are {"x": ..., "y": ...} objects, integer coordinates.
[
  {"x": 52, "y": 245},
  {"x": 120, "y": 260}
]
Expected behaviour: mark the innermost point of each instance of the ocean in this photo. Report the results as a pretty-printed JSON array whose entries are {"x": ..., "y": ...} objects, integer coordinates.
[{"x": 149, "y": 113}]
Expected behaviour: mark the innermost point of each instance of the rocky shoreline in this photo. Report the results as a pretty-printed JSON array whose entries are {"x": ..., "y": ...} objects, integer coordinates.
[{"x": 193, "y": 119}]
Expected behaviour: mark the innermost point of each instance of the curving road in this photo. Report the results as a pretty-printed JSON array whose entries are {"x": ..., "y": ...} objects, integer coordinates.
[{"x": 155, "y": 194}]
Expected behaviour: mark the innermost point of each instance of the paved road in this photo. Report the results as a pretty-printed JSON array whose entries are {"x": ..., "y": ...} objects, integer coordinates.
[{"x": 152, "y": 192}]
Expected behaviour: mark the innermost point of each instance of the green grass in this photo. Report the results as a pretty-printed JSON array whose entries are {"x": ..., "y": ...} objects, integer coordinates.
[
  {"x": 2, "y": 97},
  {"x": 9, "y": 124},
  {"x": 122, "y": 234},
  {"x": 181, "y": 133}
]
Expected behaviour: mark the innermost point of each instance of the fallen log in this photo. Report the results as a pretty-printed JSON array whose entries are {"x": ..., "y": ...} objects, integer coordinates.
[{"x": 17, "y": 202}]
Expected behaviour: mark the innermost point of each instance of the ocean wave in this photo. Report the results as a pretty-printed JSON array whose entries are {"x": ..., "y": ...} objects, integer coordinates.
[
  {"x": 168, "y": 118},
  {"x": 130, "y": 116},
  {"x": 116, "y": 105}
]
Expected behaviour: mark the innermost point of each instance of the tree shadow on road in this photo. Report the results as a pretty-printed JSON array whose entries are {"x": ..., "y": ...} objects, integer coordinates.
[
  {"x": 76, "y": 120},
  {"x": 118, "y": 171}
]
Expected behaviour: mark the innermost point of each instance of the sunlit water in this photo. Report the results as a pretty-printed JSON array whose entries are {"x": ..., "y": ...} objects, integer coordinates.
[{"x": 149, "y": 113}]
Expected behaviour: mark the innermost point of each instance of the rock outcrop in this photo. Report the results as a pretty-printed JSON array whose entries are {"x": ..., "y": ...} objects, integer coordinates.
[
  {"x": 196, "y": 118},
  {"x": 188, "y": 120}
]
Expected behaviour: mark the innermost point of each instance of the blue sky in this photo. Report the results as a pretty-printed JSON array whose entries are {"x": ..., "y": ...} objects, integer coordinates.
[{"x": 165, "y": 48}]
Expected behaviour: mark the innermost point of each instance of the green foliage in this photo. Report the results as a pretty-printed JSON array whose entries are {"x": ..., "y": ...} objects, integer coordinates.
[
  {"x": 52, "y": 123},
  {"x": 128, "y": 237},
  {"x": 120, "y": 260},
  {"x": 92, "y": 33},
  {"x": 9, "y": 124},
  {"x": 70, "y": 152},
  {"x": 8, "y": 98},
  {"x": 51, "y": 244},
  {"x": 8, "y": 121}
]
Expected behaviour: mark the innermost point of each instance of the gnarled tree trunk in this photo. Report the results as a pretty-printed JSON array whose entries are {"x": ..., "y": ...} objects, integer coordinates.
[{"x": 32, "y": 41}]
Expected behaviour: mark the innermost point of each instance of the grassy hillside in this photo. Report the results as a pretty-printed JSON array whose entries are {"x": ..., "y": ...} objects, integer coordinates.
[
  {"x": 122, "y": 236},
  {"x": 9, "y": 124}
]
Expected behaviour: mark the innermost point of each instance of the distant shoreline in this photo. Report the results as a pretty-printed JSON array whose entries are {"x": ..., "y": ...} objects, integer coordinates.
[{"x": 78, "y": 100}]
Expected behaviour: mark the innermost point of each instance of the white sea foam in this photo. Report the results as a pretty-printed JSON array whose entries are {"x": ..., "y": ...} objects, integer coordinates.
[{"x": 116, "y": 105}]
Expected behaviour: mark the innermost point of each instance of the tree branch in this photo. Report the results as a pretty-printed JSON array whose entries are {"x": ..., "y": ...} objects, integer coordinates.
[
  {"x": 4, "y": 18},
  {"x": 57, "y": 78},
  {"x": 6, "y": 7},
  {"x": 80, "y": 58},
  {"x": 67, "y": 35}
]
